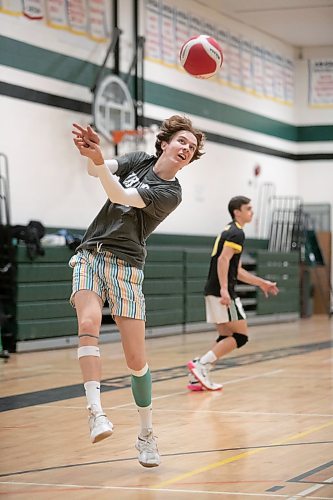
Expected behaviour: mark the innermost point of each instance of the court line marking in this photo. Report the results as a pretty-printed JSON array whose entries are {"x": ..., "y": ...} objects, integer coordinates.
[
  {"x": 240, "y": 456},
  {"x": 246, "y": 413},
  {"x": 176, "y": 454},
  {"x": 307, "y": 474},
  {"x": 265, "y": 374},
  {"x": 164, "y": 490},
  {"x": 242, "y": 413},
  {"x": 29, "y": 368},
  {"x": 311, "y": 489},
  {"x": 20, "y": 401}
]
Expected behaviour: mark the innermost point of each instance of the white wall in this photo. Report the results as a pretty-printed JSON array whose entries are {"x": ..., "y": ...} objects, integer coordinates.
[
  {"x": 225, "y": 172},
  {"x": 315, "y": 177},
  {"x": 49, "y": 180},
  {"x": 316, "y": 181}
]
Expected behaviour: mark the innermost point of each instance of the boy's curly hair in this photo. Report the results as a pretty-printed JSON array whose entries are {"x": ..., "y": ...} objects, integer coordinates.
[{"x": 175, "y": 124}]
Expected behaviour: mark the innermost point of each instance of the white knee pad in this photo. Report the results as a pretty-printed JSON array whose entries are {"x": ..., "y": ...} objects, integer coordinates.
[{"x": 88, "y": 350}]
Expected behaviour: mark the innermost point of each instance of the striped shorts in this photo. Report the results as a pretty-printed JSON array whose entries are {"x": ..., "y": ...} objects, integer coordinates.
[
  {"x": 218, "y": 313},
  {"x": 112, "y": 279}
]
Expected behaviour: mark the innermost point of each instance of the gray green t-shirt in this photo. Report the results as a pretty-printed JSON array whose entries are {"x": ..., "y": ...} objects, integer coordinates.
[{"x": 123, "y": 230}]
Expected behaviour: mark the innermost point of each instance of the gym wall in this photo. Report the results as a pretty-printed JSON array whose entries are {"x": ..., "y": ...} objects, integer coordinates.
[{"x": 46, "y": 76}]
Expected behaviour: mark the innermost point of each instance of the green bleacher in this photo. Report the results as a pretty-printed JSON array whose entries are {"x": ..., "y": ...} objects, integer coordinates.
[{"x": 175, "y": 274}]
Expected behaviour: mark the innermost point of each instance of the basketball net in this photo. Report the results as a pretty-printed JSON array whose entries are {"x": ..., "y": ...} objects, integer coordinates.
[{"x": 129, "y": 140}]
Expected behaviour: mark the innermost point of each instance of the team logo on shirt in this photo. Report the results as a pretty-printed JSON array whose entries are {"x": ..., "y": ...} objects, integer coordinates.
[{"x": 132, "y": 180}]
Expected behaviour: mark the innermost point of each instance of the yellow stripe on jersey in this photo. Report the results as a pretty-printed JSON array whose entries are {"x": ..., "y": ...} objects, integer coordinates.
[
  {"x": 233, "y": 245},
  {"x": 216, "y": 244}
]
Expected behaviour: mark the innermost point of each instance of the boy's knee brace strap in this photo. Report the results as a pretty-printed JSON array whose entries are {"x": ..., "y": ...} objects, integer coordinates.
[
  {"x": 88, "y": 350},
  {"x": 240, "y": 339},
  {"x": 139, "y": 373},
  {"x": 221, "y": 337}
]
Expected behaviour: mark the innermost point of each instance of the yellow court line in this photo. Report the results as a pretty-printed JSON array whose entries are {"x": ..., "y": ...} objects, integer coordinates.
[
  {"x": 305, "y": 433},
  {"x": 240, "y": 456}
]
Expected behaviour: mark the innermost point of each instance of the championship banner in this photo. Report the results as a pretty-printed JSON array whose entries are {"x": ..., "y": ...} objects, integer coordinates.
[
  {"x": 288, "y": 73},
  {"x": 246, "y": 65},
  {"x": 153, "y": 46},
  {"x": 99, "y": 20},
  {"x": 56, "y": 13},
  {"x": 33, "y": 9},
  {"x": 89, "y": 18},
  {"x": 321, "y": 83},
  {"x": 196, "y": 25},
  {"x": 269, "y": 73},
  {"x": 222, "y": 38},
  {"x": 258, "y": 71},
  {"x": 235, "y": 61},
  {"x": 77, "y": 16},
  {"x": 278, "y": 69},
  {"x": 12, "y": 7},
  {"x": 182, "y": 31},
  {"x": 168, "y": 25}
]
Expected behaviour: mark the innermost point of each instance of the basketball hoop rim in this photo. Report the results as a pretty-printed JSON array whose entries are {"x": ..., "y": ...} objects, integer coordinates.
[{"x": 118, "y": 135}]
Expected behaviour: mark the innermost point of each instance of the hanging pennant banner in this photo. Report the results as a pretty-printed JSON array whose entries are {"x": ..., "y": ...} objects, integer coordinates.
[
  {"x": 235, "y": 73},
  {"x": 222, "y": 38},
  {"x": 269, "y": 73},
  {"x": 279, "y": 90},
  {"x": 288, "y": 73},
  {"x": 33, "y": 9},
  {"x": 321, "y": 83},
  {"x": 153, "y": 46},
  {"x": 77, "y": 16},
  {"x": 99, "y": 20},
  {"x": 182, "y": 31},
  {"x": 56, "y": 13},
  {"x": 168, "y": 25},
  {"x": 258, "y": 70},
  {"x": 247, "y": 65},
  {"x": 12, "y": 7}
]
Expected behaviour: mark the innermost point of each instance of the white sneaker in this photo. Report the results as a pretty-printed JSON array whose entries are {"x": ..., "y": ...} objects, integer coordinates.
[
  {"x": 148, "y": 452},
  {"x": 99, "y": 424},
  {"x": 201, "y": 373},
  {"x": 193, "y": 384}
]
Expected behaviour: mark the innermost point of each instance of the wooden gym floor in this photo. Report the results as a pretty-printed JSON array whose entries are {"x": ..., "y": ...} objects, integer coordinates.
[{"x": 268, "y": 434}]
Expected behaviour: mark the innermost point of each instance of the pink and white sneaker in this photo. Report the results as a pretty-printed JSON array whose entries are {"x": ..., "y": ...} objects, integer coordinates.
[
  {"x": 201, "y": 373},
  {"x": 193, "y": 384}
]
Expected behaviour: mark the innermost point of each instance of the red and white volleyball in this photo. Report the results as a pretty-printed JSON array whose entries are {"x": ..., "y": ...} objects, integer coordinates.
[{"x": 201, "y": 56}]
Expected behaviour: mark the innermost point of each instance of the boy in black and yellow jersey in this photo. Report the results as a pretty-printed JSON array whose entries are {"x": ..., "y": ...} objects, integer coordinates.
[{"x": 223, "y": 307}]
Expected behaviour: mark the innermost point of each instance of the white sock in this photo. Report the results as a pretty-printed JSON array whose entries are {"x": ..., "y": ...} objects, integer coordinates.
[
  {"x": 209, "y": 357},
  {"x": 93, "y": 395},
  {"x": 146, "y": 419}
]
